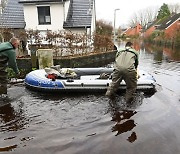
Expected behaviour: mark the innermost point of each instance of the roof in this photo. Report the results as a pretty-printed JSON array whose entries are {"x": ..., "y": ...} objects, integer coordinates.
[
  {"x": 40, "y": 1},
  {"x": 151, "y": 24},
  {"x": 13, "y": 16},
  {"x": 79, "y": 14},
  {"x": 169, "y": 21}
]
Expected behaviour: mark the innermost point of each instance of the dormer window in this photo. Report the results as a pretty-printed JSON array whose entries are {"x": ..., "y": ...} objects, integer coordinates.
[
  {"x": 168, "y": 22},
  {"x": 44, "y": 15}
]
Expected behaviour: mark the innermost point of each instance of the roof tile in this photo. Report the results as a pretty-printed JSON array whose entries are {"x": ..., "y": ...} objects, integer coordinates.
[
  {"x": 168, "y": 21},
  {"x": 13, "y": 16},
  {"x": 79, "y": 14}
]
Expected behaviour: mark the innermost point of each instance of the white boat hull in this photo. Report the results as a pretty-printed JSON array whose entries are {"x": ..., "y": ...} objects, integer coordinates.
[{"x": 88, "y": 81}]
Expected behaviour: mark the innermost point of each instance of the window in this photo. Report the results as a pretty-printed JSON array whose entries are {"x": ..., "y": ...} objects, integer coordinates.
[
  {"x": 44, "y": 15},
  {"x": 168, "y": 22}
]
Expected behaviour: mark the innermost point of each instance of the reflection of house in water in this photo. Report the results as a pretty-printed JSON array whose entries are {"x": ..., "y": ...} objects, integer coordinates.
[
  {"x": 124, "y": 123},
  {"x": 173, "y": 54},
  {"x": 158, "y": 54},
  {"x": 161, "y": 53},
  {"x": 136, "y": 46}
]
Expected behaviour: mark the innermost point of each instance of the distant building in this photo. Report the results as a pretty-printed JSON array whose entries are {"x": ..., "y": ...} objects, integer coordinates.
[
  {"x": 150, "y": 28},
  {"x": 170, "y": 25},
  {"x": 133, "y": 31}
]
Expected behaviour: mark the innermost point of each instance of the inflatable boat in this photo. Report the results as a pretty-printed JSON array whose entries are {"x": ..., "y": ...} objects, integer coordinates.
[{"x": 81, "y": 79}]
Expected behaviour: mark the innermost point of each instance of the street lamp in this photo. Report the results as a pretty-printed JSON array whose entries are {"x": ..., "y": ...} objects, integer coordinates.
[{"x": 115, "y": 22}]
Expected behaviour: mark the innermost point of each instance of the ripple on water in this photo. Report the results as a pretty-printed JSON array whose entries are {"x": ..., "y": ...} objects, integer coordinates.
[{"x": 88, "y": 123}]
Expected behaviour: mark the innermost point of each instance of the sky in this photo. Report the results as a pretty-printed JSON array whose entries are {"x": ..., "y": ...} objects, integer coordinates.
[{"x": 105, "y": 9}]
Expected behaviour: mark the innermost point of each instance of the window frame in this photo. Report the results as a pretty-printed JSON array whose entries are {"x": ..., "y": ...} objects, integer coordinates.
[{"x": 44, "y": 13}]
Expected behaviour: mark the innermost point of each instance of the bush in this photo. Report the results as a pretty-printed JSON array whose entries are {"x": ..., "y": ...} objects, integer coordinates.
[{"x": 177, "y": 39}]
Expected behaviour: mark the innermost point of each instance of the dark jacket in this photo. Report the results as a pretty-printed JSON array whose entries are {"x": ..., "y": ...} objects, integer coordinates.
[{"x": 7, "y": 54}]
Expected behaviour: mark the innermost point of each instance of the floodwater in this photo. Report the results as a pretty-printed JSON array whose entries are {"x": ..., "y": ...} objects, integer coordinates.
[{"x": 36, "y": 123}]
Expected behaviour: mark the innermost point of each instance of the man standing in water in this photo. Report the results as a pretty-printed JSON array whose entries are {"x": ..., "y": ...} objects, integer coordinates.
[
  {"x": 7, "y": 57},
  {"x": 125, "y": 68}
]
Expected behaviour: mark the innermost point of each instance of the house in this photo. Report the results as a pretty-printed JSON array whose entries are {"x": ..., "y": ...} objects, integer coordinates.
[
  {"x": 53, "y": 15},
  {"x": 133, "y": 31},
  {"x": 126, "y": 31},
  {"x": 170, "y": 26},
  {"x": 150, "y": 28},
  {"x": 81, "y": 16}
]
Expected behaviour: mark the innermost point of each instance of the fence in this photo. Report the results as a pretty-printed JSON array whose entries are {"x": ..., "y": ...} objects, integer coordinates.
[
  {"x": 63, "y": 43},
  {"x": 66, "y": 44}
]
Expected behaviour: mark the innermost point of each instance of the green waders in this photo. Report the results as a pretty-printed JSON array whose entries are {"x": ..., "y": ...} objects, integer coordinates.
[
  {"x": 3, "y": 75},
  {"x": 129, "y": 76}
]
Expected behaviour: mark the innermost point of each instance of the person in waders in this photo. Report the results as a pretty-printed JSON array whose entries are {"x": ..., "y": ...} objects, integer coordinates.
[
  {"x": 125, "y": 68},
  {"x": 7, "y": 57}
]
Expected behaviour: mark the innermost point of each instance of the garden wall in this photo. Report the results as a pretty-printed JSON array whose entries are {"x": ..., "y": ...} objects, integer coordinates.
[{"x": 94, "y": 60}]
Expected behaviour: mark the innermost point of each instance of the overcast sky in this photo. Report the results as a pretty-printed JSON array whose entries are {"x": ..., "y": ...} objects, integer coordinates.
[{"x": 105, "y": 9}]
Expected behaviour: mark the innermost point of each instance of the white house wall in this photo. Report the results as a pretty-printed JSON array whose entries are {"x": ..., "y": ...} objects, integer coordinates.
[
  {"x": 57, "y": 12},
  {"x": 66, "y": 8},
  {"x": 93, "y": 22},
  {"x": 57, "y": 17},
  {"x": 30, "y": 16}
]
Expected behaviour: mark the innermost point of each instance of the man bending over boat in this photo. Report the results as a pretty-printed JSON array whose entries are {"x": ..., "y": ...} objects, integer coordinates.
[
  {"x": 7, "y": 56},
  {"x": 125, "y": 68}
]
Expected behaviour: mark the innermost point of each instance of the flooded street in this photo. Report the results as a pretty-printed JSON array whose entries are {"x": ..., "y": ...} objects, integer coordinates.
[{"x": 32, "y": 123}]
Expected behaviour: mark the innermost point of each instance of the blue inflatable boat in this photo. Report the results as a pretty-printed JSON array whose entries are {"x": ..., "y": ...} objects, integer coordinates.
[{"x": 81, "y": 79}]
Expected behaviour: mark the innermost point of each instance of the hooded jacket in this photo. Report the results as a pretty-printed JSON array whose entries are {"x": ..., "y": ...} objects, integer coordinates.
[{"x": 7, "y": 54}]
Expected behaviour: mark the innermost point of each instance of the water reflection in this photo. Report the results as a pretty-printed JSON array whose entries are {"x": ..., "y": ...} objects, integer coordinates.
[
  {"x": 9, "y": 148},
  {"x": 122, "y": 114},
  {"x": 173, "y": 54},
  {"x": 7, "y": 113},
  {"x": 161, "y": 53},
  {"x": 10, "y": 119},
  {"x": 124, "y": 123}
]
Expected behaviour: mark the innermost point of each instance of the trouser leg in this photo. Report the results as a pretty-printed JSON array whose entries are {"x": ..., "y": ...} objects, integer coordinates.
[
  {"x": 131, "y": 85},
  {"x": 3, "y": 81},
  {"x": 116, "y": 79},
  {"x": 3, "y": 88}
]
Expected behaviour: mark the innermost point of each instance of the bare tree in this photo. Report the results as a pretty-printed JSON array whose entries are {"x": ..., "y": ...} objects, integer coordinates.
[
  {"x": 133, "y": 20},
  {"x": 151, "y": 14},
  {"x": 143, "y": 16},
  {"x": 174, "y": 8}
]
